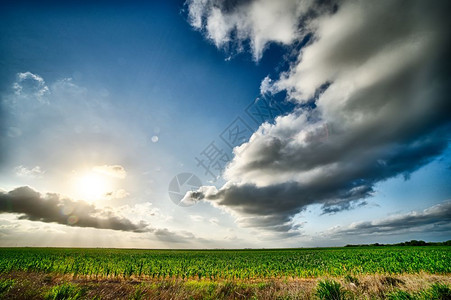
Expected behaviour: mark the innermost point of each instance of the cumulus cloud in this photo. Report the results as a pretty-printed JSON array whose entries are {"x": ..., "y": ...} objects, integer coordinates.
[
  {"x": 257, "y": 22},
  {"x": 377, "y": 73},
  {"x": 34, "y": 172},
  {"x": 433, "y": 219},
  {"x": 52, "y": 208},
  {"x": 116, "y": 171}
]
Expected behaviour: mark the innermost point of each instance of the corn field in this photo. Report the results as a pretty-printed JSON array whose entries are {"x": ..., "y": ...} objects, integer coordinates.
[{"x": 227, "y": 264}]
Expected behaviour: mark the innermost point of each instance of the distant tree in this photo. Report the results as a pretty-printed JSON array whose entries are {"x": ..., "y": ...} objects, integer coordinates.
[{"x": 407, "y": 243}]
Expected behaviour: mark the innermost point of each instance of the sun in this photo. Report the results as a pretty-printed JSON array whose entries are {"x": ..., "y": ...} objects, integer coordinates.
[{"x": 92, "y": 186}]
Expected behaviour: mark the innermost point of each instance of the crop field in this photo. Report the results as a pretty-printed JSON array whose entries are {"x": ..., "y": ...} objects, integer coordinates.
[
  {"x": 227, "y": 264},
  {"x": 211, "y": 270}
]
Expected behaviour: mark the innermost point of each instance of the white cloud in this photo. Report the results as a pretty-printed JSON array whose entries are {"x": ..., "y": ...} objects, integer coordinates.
[
  {"x": 355, "y": 49},
  {"x": 196, "y": 218},
  {"x": 140, "y": 211},
  {"x": 267, "y": 87},
  {"x": 116, "y": 171},
  {"x": 259, "y": 21},
  {"x": 31, "y": 85},
  {"x": 375, "y": 72},
  {"x": 34, "y": 172}
]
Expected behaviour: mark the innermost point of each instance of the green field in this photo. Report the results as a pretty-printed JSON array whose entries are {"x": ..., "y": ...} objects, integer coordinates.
[
  {"x": 228, "y": 264},
  {"x": 419, "y": 272}
]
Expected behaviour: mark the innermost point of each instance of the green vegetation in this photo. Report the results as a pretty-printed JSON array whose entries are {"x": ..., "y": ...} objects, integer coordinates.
[
  {"x": 400, "y": 295},
  {"x": 330, "y": 290},
  {"x": 438, "y": 291},
  {"x": 5, "y": 285},
  {"x": 139, "y": 293},
  {"x": 402, "y": 272},
  {"x": 64, "y": 291},
  {"x": 227, "y": 264},
  {"x": 420, "y": 287}
]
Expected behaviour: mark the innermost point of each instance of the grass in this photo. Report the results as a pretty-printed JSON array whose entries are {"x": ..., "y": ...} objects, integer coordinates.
[
  {"x": 330, "y": 290},
  {"x": 438, "y": 291},
  {"x": 65, "y": 291},
  {"x": 139, "y": 293},
  {"x": 400, "y": 295},
  {"x": 5, "y": 285},
  {"x": 33, "y": 286}
]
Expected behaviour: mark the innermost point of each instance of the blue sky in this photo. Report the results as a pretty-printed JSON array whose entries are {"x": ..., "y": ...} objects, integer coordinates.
[{"x": 104, "y": 104}]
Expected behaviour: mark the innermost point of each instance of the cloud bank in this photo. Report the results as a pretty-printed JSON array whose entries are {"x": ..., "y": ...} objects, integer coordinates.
[
  {"x": 377, "y": 73},
  {"x": 52, "y": 208},
  {"x": 433, "y": 219}
]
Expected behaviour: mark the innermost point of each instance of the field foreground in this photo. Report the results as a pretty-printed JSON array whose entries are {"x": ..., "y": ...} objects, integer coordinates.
[{"x": 334, "y": 273}]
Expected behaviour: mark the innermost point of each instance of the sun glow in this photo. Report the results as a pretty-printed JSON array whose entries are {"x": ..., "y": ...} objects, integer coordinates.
[{"x": 92, "y": 186}]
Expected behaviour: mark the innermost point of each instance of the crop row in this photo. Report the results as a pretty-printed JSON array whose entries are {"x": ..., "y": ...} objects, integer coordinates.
[{"x": 227, "y": 264}]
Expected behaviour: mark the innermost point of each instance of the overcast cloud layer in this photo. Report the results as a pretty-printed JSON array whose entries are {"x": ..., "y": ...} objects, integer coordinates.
[{"x": 386, "y": 106}]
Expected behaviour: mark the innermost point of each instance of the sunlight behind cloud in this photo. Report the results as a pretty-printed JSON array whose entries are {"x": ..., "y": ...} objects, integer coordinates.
[{"x": 91, "y": 186}]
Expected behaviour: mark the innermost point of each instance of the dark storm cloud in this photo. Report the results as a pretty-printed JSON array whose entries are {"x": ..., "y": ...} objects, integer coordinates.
[
  {"x": 52, "y": 208},
  {"x": 343, "y": 187},
  {"x": 273, "y": 207},
  {"x": 387, "y": 104},
  {"x": 283, "y": 199},
  {"x": 352, "y": 177},
  {"x": 433, "y": 219}
]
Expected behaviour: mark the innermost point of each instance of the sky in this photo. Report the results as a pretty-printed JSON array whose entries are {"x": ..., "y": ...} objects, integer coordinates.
[{"x": 224, "y": 124}]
